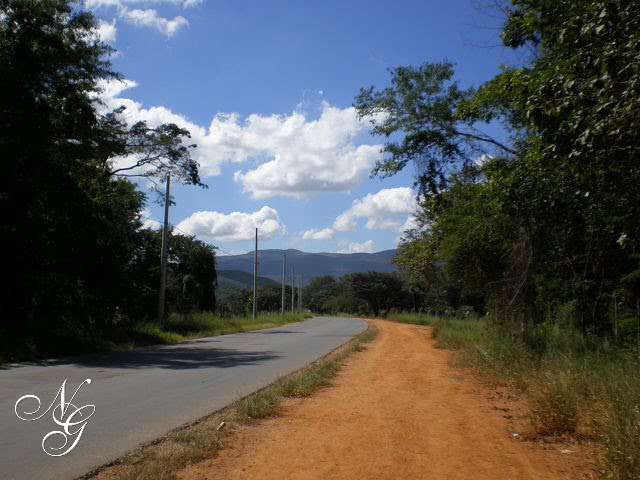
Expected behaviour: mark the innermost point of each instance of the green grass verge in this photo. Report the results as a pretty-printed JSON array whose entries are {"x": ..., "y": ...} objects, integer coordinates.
[
  {"x": 574, "y": 387},
  {"x": 411, "y": 318},
  {"x": 124, "y": 336},
  {"x": 201, "y": 440}
]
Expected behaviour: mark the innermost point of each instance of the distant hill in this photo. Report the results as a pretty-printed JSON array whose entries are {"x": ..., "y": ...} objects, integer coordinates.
[
  {"x": 232, "y": 281},
  {"x": 309, "y": 265},
  {"x": 245, "y": 278}
]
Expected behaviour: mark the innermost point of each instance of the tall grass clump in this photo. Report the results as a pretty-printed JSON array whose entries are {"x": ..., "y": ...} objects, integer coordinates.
[{"x": 621, "y": 430}]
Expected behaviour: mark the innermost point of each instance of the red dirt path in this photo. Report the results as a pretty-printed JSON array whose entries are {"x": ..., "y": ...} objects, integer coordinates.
[{"x": 395, "y": 411}]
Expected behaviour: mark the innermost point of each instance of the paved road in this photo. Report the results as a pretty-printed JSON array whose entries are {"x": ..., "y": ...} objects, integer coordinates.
[{"x": 141, "y": 394}]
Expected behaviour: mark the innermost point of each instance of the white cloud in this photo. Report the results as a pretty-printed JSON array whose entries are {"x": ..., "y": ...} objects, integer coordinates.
[
  {"x": 94, "y": 4},
  {"x": 235, "y": 226},
  {"x": 482, "y": 159},
  {"x": 389, "y": 208},
  {"x": 296, "y": 156},
  {"x": 364, "y": 247},
  {"x": 150, "y": 18},
  {"x": 318, "y": 234},
  {"x": 304, "y": 157},
  {"x": 148, "y": 221},
  {"x": 107, "y": 31}
]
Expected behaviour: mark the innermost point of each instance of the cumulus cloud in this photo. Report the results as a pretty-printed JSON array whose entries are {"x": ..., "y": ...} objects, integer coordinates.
[
  {"x": 150, "y": 18},
  {"x": 148, "y": 221},
  {"x": 354, "y": 247},
  {"x": 390, "y": 208},
  {"x": 318, "y": 234},
  {"x": 235, "y": 226},
  {"x": 295, "y": 156},
  {"x": 305, "y": 157},
  {"x": 107, "y": 31}
]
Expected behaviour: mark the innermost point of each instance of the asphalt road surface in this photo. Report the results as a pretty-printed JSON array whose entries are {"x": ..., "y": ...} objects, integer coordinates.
[{"x": 141, "y": 394}]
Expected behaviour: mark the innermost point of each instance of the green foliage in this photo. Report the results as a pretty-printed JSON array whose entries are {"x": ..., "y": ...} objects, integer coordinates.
[
  {"x": 381, "y": 291},
  {"x": 262, "y": 404},
  {"x": 552, "y": 221},
  {"x": 573, "y": 386},
  {"x": 320, "y": 292},
  {"x": 304, "y": 383},
  {"x": 70, "y": 220},
  {"x": 411, "y": 318},
  {"x": 421, "y": 103},
  {"x": 270, "y": 298}
]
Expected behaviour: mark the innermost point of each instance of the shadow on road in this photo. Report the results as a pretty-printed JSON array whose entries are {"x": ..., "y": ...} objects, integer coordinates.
[
  {"x": 272, "y": 332},
  {"x": 182, "y": 357}
]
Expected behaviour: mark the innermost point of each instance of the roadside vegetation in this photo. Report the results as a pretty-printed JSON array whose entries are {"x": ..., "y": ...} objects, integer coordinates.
[
  {"x": 203, "y": 439},
  {"x": 535, "y": 227},
  {"x": 576, "y": 387},
  {"x": 84, "y": 269}
]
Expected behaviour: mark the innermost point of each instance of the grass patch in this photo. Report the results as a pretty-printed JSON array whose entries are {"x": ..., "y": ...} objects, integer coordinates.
[
  {"x": 575, "y": 387},
  {"x": 411, "y": 318},
  {"x": 310, "y": 379},
  {"x": 262, "y": 404},
  {"x": 196, "y": 442},
  {"x": 208, "y": 324}
]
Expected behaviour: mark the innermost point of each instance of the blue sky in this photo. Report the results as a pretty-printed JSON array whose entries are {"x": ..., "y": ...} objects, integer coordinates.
[{"x": 266, "y": 88}]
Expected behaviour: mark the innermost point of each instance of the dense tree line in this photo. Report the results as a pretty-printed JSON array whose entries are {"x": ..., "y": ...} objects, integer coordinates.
[
  {"x": 362, "y": 293},
  {"x": 540, "y": 226},
  {"x": 76, "y": 258}
]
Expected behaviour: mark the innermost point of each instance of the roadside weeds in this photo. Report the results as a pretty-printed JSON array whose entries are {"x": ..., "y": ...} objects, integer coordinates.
[{"x": 165, "y": 457}]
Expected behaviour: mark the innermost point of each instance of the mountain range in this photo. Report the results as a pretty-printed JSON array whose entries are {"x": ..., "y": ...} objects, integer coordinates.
[{"x": 237, "y": 270}]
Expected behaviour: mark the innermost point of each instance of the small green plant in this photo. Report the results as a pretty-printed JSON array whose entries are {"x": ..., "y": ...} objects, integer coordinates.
[
  {"x": 308, "y": 380},
  {"x": 262, "y": 404}
]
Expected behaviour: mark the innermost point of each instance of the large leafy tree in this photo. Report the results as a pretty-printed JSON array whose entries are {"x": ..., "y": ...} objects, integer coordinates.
[
  {"x": 422, "y": 105},
  {"x": 69, "y": 220},
  {"x": 553, "y": 218},
  {"x": 380, "y": 290}
]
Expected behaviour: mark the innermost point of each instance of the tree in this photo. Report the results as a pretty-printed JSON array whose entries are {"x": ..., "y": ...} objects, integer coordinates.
[
  {"x": 270, "y": 298},
  {"x": 69, "y": 222},
  {"x": 550, "y": 224},
  {"x": 152, "y": 153},
  {"x": 320, "y": 294},
  {"x": 422, "y": 104},
  {"x": 191, "y": 274},
  {"x": 381, "y": 291}
]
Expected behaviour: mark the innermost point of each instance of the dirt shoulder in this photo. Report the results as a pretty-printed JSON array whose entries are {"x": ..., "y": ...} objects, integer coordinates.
[{"x": 395, "y": 411}]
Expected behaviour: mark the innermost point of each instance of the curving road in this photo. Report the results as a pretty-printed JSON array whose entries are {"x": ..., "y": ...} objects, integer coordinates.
[{"x": 141, "y": 394}]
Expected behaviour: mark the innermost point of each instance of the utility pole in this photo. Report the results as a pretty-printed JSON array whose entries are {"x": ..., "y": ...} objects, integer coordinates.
[
  {"x": 284, "y": 263},
  {"x": 300, "y": 293},
  {"x": 163, "y": 253},
  {"x": 293, "y": 289},
  {"x": 255, "y": 279}
]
